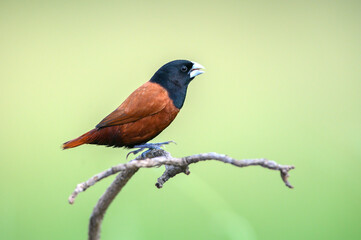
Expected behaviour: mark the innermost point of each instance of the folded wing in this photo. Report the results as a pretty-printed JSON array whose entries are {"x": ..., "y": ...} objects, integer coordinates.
[{"x": 147, "y": 100}]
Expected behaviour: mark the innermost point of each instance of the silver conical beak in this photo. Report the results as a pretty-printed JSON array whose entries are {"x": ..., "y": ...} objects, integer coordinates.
[{"x": 196, "y": 70}]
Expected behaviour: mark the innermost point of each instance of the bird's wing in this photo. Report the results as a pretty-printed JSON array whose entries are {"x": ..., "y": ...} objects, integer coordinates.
[{"x": 147, "y": 100}]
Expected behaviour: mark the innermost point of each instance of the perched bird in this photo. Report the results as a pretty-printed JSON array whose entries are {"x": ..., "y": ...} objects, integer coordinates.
[{"x": 146, "y": 112}]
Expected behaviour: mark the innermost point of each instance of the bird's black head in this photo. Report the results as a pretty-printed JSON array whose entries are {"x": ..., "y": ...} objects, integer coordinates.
[{"x": 175, "y": 77}]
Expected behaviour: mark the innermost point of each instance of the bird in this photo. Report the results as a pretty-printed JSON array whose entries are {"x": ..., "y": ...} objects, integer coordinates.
[{"x": 146, "y": 112}]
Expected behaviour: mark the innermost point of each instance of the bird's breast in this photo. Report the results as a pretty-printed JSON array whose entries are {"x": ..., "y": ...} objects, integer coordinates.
[{"x": 148, "y": 127}]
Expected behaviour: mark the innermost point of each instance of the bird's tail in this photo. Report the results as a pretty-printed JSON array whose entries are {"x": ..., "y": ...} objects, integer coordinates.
[{"x": 85, "y": 138}]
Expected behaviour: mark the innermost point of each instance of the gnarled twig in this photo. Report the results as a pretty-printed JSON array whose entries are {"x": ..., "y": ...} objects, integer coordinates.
[{"x": 173, "y": 166}]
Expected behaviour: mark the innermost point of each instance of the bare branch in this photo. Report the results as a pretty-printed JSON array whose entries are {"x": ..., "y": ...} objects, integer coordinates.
[
  {"x": 103, "y": 203},
  {"x": 101, "y": 207},
  {"x": 173, "y": 166}
]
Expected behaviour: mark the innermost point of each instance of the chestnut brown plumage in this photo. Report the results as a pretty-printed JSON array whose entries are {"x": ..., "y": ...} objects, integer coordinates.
[{"x": 147, "y": 111}]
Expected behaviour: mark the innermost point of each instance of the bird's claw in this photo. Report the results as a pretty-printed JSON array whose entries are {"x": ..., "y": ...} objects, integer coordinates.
[
  {"x": 134, "y": 152},
  {"x": 149, "y": 146}
]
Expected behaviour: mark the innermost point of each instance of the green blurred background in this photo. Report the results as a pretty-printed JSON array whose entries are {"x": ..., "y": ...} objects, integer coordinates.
[{"x": 282, "y": 81}]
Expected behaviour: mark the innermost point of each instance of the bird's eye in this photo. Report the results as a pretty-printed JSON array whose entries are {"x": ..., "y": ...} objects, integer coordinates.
[{"x": 184, "y": 68}]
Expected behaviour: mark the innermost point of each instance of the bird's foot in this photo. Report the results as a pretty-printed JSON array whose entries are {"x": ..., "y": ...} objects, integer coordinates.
[{"x": 149, "y": 146}]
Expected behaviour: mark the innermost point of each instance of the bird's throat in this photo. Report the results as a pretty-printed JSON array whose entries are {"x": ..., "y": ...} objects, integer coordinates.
[{"x": 178, "y": 96}]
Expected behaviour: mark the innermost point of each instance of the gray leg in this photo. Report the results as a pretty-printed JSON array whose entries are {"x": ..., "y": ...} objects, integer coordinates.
[{"x": 148, "y": 146}]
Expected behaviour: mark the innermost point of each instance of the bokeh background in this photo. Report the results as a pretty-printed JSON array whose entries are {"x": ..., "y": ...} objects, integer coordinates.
[{"x": 282, "y": 81}]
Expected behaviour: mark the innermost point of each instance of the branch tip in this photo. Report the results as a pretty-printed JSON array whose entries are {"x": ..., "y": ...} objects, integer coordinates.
[{"x": 285, "y": 175}]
